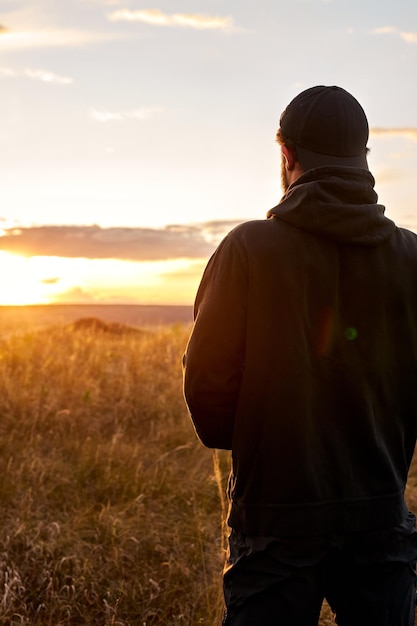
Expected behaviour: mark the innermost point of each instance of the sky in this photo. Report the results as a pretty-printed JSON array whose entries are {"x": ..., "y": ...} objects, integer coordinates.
[{"x": 135, "y": 134}]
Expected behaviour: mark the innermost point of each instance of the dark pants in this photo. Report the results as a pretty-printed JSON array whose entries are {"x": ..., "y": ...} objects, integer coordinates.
[{"x": 367, "y": 578}]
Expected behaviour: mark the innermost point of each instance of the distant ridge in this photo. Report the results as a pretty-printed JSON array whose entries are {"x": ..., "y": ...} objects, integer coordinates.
[
  {"x": 42, "y": 315},
  {"x": 98, "y": 326}
]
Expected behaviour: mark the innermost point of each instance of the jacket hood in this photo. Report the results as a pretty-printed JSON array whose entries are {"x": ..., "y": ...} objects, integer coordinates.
[{"x": 338, "y": 203}]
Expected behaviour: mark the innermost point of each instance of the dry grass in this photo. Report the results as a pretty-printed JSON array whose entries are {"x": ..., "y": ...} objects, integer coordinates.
[
  {"x": 111, "y": 512},
  {"x": 109, "y": 509}
]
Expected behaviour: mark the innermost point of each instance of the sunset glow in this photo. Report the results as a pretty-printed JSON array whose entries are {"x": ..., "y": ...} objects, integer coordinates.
[
  {"x": 48, "y": 280},
  {"x": 135, "y": 137}
]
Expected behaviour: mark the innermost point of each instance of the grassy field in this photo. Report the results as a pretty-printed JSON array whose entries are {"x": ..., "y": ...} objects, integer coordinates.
[{"x": 111, "y": 512}]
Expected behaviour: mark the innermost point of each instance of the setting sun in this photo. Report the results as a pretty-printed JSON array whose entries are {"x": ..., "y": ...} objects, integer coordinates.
[{"x": 21, "y": 282}]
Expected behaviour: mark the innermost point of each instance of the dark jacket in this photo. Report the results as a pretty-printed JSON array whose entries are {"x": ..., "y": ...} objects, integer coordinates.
[{"x": 303, "y": 360}]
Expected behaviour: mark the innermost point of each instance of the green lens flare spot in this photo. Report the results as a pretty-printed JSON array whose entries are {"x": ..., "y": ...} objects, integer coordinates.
[{"x": 351, "y": 333}]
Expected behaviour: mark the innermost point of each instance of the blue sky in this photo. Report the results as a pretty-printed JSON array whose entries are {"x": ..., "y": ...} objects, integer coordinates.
[{"x": 129, "y": 122}]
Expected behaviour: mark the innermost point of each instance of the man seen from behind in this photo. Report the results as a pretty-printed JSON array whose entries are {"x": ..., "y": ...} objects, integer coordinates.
[{"x": 303, "y": 362}]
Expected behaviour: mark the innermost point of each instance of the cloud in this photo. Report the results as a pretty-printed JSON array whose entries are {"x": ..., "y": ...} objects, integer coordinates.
[
  {"x": 215, "y": 230},
  {"x": 48, "y": 77},
  {"x": 42, "y": 75},
  {"x": 77, "y": 295},
  {"x": 50, "y": 281},
  {"x": 20, "y": 40},
  {"x": 409, "y": 37},
  {"x": 408, "y": 132},
  {"x": 144, "y": 113},
  {"x": 151, "y": 16},
  {"x": 187, "y": 20},
  {"x": 133, "y": 244},
  {"x": 106, "y": 116}
]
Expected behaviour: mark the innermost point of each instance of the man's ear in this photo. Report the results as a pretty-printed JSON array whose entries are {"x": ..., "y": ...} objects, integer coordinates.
[{"x": 290, "y": 160}]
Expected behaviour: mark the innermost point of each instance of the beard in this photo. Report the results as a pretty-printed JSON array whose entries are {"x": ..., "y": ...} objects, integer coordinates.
[{"x": 284, "y": 176}]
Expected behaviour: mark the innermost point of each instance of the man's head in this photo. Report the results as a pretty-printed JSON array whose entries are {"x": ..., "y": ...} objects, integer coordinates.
[{"x": 323, "y": 126}]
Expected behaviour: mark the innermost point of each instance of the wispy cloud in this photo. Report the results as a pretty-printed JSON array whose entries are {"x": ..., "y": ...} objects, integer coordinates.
[
  {"x": 408, "y": 132},
  {"x": 50, "y": 281},
  {"x": 145, "y": 113},
  {"x": 19, "y": 40},
  {"x": 134, "y": 244},
  {"x": 187, "y": 20},
  {"x": 77, "y": 295},
  {"x": 106, "y": 116},
  {"x": 409, "y": 37},
  {"x": 38, "y": 74},
  {"x": 48, "y": 77}
]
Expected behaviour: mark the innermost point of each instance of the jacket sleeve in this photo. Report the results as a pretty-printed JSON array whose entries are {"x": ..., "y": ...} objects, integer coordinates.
[{"x": 214, "y": 358}]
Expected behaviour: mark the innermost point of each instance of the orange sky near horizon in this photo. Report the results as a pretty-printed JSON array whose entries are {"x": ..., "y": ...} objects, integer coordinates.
[{"x": 53, "y": 280}]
